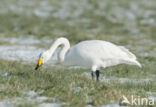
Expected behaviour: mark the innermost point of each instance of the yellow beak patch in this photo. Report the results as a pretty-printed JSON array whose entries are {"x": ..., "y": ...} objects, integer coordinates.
[{"x": 40, "y": 62}]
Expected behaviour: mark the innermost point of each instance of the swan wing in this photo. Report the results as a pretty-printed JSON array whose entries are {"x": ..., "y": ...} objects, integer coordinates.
[
  {"x": 97, "y": 52},
  {"x": 130, "y": 54}
]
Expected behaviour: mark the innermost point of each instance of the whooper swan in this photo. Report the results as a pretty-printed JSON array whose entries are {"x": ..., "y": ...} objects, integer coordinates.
[{"x": 92, "y": 54}]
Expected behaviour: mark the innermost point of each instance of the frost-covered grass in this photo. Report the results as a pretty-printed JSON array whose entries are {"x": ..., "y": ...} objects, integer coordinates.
[
  {"x": 24, "y": 86},
  {"x": 28, "y": 27}
]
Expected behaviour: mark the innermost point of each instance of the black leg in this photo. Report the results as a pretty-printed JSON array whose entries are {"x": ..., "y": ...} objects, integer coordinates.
[
  {"x": 93, "y": 75},
  {"x": 97, "y": 74}
]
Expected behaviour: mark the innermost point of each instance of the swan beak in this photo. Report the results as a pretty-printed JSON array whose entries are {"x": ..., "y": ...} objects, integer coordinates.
[{"x": 39, "y": 64}]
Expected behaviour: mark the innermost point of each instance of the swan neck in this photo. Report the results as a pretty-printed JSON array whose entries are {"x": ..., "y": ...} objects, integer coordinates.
[{"x": 65, "y": 48}]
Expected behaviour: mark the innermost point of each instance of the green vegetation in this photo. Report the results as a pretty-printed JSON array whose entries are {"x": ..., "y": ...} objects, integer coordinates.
[
  {"x": 130, "y": 23},
  {"x": 71, "y": 86}
]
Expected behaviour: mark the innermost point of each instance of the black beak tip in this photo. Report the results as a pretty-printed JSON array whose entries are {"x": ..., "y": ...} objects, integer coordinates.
[{"x": 36, "y": 68}]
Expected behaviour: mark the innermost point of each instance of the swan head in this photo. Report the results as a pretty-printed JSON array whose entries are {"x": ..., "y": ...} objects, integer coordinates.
[{"x": 43, "y": 58}]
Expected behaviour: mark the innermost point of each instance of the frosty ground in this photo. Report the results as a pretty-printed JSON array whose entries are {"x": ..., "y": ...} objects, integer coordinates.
[{"x": 29, "y": 27}]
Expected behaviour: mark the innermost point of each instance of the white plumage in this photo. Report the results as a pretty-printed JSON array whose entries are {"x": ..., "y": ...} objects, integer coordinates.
[{"x": 92, "y": 54}]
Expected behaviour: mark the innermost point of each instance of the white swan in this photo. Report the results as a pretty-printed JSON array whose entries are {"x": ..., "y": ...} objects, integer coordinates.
[{"x": 92, "y": 54}]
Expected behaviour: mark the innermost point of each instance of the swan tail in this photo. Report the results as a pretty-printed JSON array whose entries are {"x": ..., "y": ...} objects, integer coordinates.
[
  {"x": 132, "y": 58},
  {"x": 138, "y": 64},
  {"x": 130, "y": 54},
  {"x": 134, "y": 62}
]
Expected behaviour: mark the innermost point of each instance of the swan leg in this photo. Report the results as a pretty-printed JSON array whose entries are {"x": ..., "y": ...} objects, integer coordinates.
[
  {"x": 97, "y": 74},
  {"x": 93, "y": 74}
]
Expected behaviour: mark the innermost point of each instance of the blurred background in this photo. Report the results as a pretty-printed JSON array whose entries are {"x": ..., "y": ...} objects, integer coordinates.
[
  {"x": 122, "y": 22},
  {"x": 131, "y": 23},
  {"x": 79, "y": 19}
]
